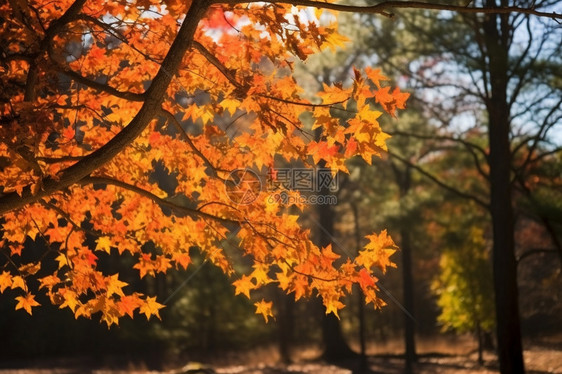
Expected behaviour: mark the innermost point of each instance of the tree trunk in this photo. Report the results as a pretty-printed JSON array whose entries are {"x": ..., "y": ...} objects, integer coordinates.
[
  {"x": 335, "y": 346},
  {"x": 360, "y": 298},
  {"x": 408, "y": 290},
  {"x": 285, "y": 325},
  {"x": 510, "y": 352},
  {"x": 404, "y": 181},
  {"x": 480, "y": 343}
]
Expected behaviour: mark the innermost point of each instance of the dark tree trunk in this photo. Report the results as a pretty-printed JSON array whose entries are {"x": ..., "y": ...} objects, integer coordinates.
[
  {"x": 480, "y": 338},
  {"x": 408, "y": 290},
  {"x": 404, "y": 181},
  {"x": 360, "y": 298},
  {"x": 335, "y": 346},
  {"x": 510, "y": 352},
  {"x": 286, "y": 325}
]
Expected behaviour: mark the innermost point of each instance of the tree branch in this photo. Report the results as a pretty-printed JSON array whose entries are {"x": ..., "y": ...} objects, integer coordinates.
[
  {"x": 171, "y": 118},
  {"x": 54, "y": 28},
  {"x": 544, "y": 218},
  {"x": 470, "y": 147},
  {"x": 383, "y": 7},
  {"x": 440, "y": 183},
  {"x": 162, "y": 202},
  {"x": 229, "y": 74},
  {"x": 131, "y": 96},
  {"x": 535, "y": 251},
  {"x": 150, "y": 108}
]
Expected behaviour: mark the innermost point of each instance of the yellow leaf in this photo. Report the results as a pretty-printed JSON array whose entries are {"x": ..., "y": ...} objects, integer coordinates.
[
  {"x": 332, "y": 306},
  {"x": 151, "y": 307},
  {"x": 18, "y": 282},
  {"x": 244, "y": 285},
  {"x": 334, "y": 94},
  {"x": 5, "y": 280},
  {"x": 377, "y": 252},
  {"x": 70, "y": 300},
  {"x": 264, "y": 308},
  {"x": 49, "y": 281},
  {"x": 231, "y": 105},
  {"x": 260, "y": 274},
  {"x": 103, "y": 244},
  {"x": 62, "y": 260},
  {"x": 114, "y": 285},
  {"x": 334, "y": 40},
  {"x": 26, "y": 302}
]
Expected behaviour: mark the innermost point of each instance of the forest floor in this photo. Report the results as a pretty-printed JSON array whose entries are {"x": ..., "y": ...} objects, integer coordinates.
[{"x": 441, "y": 355}]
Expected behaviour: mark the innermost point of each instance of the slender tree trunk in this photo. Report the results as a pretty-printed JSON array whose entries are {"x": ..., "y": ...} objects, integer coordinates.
[
  {"x": 335, "y": 346},
  {"x": 403, "y": 179},
  {"x": 360, "y": 298},
  {"x": 480, "y": 343},
  {"x": 510, "y": 352},
  {"x": 408, "y": 290},
  {"x": 286, "y": 325}
]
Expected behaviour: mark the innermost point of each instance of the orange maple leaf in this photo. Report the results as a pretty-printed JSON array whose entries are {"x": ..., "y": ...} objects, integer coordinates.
[
  {"x": 114, "y": 285},
  {"x": 5, "y": 281},
  {"x": 151, "y": 308},
  {"x": 244, "y": 285},
  {"x": 26, "y": 302},
  {"x": 375, "y": 76},
  {"x": 128, "y": 304},
  {"x": 264, "y": 308}
]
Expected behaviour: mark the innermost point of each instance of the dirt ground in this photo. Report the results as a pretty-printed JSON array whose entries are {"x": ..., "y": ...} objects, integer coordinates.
[{"x": 442, "y": 355}]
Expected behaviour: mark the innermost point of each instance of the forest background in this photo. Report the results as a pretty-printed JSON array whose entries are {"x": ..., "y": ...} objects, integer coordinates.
[{"x": 431, "y": 191}]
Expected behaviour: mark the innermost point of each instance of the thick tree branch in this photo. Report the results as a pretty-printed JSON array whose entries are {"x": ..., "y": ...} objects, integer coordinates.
[
  {"x": 229, "y": 74},
  {"x": 54, "y": 28},
  {"x": 384, "y": 7},
  {"x": 131, "y": 96},
  {"x": 150, "y": 108}
]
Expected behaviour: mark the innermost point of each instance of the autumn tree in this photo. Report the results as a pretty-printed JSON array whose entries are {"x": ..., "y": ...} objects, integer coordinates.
[
  {"x": 96, "y": 96},
  {"x": 464, "y": 285}
]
